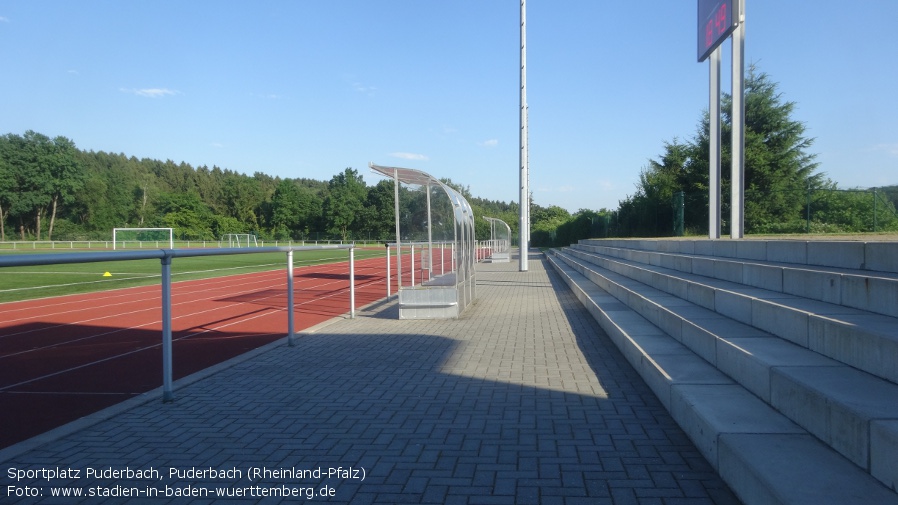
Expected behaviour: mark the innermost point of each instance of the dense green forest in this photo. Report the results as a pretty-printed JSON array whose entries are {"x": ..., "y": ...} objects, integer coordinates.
[{"x": 49, "y": 189}]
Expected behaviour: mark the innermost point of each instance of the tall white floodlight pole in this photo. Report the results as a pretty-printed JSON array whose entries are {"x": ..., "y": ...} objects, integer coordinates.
[
  {"x": 738, "y": 165},
  {"x": 524, "y": 232},
  {"x": 714, "y": 148}
]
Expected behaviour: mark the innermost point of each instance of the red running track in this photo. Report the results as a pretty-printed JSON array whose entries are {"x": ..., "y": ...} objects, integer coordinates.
[{"x": 67, "y": 357}]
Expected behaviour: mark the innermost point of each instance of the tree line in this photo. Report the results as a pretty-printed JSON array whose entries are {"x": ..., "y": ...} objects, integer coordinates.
[{"x": 49, "y": 189}]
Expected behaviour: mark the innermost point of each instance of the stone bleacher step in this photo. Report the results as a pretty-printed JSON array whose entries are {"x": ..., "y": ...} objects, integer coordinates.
[
  {"x": 713, "y": 408},
  {"x": 858, "y": 338},
  {"x": 778, "y": 266},
  {"x": 770, "y": 368}
]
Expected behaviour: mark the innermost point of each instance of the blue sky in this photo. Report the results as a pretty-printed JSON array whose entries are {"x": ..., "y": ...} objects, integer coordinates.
[{"x": 307, "y": 88}]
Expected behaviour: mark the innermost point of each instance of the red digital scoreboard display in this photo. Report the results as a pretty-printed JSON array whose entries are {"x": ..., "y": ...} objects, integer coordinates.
[{"x": 716, "y": 21}]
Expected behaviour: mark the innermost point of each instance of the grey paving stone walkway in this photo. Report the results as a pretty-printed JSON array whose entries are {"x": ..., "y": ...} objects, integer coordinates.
[{"x": 522, "y": 400}]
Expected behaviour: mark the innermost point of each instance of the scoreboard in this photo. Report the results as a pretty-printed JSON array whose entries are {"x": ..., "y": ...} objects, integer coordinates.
[{"x": 716, "y": 21}]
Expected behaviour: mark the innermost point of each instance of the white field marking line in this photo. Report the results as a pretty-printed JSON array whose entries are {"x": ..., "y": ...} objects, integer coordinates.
[
  {"x": 32, "y": 288},
  {"x": 118, "y": 330},
  {"x": 93, "y": 274}
]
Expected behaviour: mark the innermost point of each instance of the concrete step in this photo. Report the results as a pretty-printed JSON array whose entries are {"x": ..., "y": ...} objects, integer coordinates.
[
  {"x": 833, "y": 401},
  {"x": 762, "y": 454},
  {"x": 869, "y": 290},
  {"x": 868, "y": 256},
  {"x": 858, "y": 338}
]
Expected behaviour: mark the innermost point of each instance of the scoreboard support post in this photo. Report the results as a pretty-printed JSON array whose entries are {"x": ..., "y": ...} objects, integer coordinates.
[
  {"x": 717, "y": 21},
  {"x": 714, "y": 147},
  {"x": 737, "y": 184}
]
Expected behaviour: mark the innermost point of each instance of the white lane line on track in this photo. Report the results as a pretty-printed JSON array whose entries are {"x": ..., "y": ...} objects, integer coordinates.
[
  {"x": 180, "y": 316},
  {"x": 146, "y": 276},
  {"x": 199, "y": 285},
  {"x": 207, "y": 330},
  {"x": 193, "y": 301},
  {"x": 5, "y": 389}
]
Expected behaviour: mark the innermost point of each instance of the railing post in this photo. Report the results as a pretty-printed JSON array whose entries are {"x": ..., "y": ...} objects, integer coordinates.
[
  {"x": 352, "y": 282},
  {"x": 167, "y": 394},
  {"x": 291, "y": 338},
  {"x": 412, "y": 264},
  {"x": 388, "y": 269}
]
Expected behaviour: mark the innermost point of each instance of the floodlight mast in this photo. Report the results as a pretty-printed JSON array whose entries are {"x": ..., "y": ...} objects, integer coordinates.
[{"x": 524, "y": 227}]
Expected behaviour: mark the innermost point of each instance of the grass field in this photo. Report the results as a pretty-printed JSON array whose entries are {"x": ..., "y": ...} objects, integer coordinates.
[{"x": 25, "y": 283}]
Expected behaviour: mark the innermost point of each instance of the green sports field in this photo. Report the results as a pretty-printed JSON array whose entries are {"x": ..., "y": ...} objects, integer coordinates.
[{"x": 24, "y": 283}]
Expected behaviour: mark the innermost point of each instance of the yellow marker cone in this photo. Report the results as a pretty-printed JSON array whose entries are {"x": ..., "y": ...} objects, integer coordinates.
[{"x": 107, "y": 274}]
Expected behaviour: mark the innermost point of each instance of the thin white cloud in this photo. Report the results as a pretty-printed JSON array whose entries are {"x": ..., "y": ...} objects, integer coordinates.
[
  {"x": 605, "y": 184},
  {"x": 890, "y": 149},
  {"x": 4, "y": 19},
  {"x": 410, "y": 156},
  {"x": 151, "y": 92},
  {"x": 217, "y": 144},
  {"x": 361, "y": 88},
  {"x": 489, "y": 143}
]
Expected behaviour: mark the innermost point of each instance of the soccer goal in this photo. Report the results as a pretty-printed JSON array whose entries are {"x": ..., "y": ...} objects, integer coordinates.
[
  {"x": 239, "y": 240},
  {"x": 122, "y": 238}
]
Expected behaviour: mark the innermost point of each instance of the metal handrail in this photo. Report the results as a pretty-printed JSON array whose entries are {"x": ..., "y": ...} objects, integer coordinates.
[{"x": 166, "y": 256}]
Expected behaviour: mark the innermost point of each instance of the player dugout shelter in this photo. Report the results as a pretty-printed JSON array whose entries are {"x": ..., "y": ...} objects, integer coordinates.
[
  {"x": 434, "y": 238},
  {"x": 500, "y": 240}
]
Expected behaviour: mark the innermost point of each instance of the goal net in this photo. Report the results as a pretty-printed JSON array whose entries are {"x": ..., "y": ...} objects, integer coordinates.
[
  {"x": 123, "y": 238},
  {"x": 239, "y": 240}
]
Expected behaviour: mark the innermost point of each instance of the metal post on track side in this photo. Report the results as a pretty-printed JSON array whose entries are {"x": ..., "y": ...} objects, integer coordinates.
[
  {"x": 167, "y": 393},
  {"x": 352, "y": 282},
  {"x": 291, "y": 327},
  {"x": 388, "y": 270}
]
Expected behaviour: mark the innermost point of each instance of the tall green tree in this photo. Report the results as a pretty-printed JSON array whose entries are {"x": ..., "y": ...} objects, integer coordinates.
[
  {"x": 7, "y": 185},
  {"x": 778, "y": 167},
  {"x": 379, "y": 218},
  {"x": 28, "y": 157},
  {"x": 294, "y": 210},
  {"x": 65, "y": 173},
  {"x": 345, "y": 202}
]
